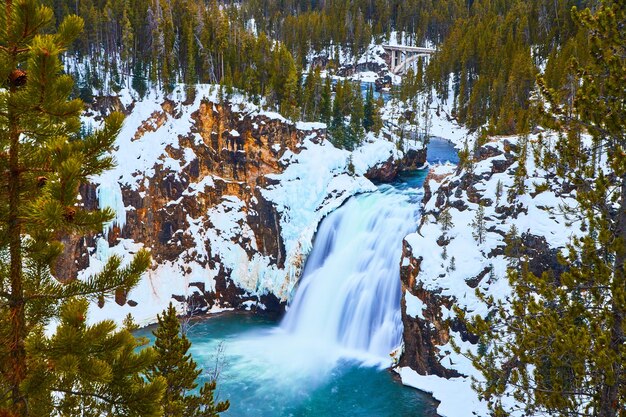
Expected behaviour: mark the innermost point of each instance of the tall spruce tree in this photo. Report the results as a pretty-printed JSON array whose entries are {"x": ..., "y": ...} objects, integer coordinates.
[
  {"x": 91, "y": 370},
  {"x": 79, "y": 370},
  {"x": 326, "y": 102},
  {"x": 337, "y": 127},
  {"x": 355, "y": 131},
  {"x": 180, "y": 371},
  {"x": 478, "y": 225},
  {"x": 369, "y": 109},
  {"x": 560, "y": 348}
]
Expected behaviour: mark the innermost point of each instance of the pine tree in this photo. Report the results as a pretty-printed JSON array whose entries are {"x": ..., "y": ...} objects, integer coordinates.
[
  {"x": 499, "y": 190},
  {"x": 326, "y": 102},
  {"x": 127, "y": 41},
  {"x": 521, "y": 174},
  {"x": 316, "y": 96},
  {"x": 290, "y": 85},
  {"x": 93, "y": 370},
  {"x": 559, "y": 348},
  {"x": 180, "y": 371},
  {"x": 445, "y": 220},
  {"x": 377, "y": 117},
  {"x": 139, "y": 81},
  {"x": 168, "y": 38},
  {"x": 478, "y": 225},
  {"x": 337, "y": 130},
  {"x": 368, "y": 110},
  {"x": 465, "y": 158},
  {"x": 43, "y": 160},
  {"x": 514, "y": 246},
  {"x": 356, "y": 119},
  {"x": 308, "y": 97},
  {"x": 351, "y": 168},
  {"x": 190, "y": 70}
]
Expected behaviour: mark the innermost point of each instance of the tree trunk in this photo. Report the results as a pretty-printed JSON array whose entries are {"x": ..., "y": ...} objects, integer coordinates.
[
  {"x": 610, "y": 391},
  {"x": 17, "y": 356}
]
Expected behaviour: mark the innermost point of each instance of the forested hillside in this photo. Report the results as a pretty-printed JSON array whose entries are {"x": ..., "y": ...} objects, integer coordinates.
[{"x": 489, "y": 51}]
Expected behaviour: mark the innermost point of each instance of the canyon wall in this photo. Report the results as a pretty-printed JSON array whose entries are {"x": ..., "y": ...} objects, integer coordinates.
[{"x": 226, "y": 196}]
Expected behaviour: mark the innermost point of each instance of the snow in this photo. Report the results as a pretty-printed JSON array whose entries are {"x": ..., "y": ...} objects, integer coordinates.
[
  {"x": 365, "y": 76},
  {"x": 310, "y": 126},
  {"x": 273, "y": 115},
  {"x": 374, "y": 53},
  {"x": 199, "y": 187},
  {"x": 102, "y": 249},
  {"x": 373, "y": 152},
  {"x": 414, "y": 306},
  {"x": 456, "y": 395}
]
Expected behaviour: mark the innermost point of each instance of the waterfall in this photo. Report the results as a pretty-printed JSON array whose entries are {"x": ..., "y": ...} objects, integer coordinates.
[
  {"x": 349, "y": 294},
  {"x": 344, "y": 318}
]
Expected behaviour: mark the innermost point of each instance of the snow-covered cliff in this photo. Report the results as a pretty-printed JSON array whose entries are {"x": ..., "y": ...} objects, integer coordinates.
[{"x": 225, "y": 195}]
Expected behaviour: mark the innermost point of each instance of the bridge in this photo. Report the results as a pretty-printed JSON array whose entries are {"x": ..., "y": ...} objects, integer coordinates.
[{"x": 401, "y": 56}]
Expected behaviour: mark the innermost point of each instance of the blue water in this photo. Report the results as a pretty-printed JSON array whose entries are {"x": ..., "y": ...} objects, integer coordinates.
[
  {"x": 441, "y": 151},
  {"x": 261, "y": 379},
  {"x": 385, "y": 94},
  {"x": 365, "y": 85}
]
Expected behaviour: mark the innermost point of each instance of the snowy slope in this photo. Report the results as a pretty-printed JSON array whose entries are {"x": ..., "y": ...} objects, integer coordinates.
[{"x": 482, "y": 265}]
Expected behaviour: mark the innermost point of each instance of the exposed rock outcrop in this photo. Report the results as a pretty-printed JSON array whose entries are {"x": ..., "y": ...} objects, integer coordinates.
[
  {"x": 413, "y": 159},
  {"x": 225, "y": 154},
  {"x": 423, "y": 335},
  {"x": 387, "y": 171}
]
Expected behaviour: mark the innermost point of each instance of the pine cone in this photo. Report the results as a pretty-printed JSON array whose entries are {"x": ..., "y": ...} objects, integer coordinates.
[
  {"x": 17, "y": 78},
  {"x": 69, "y": 213}
]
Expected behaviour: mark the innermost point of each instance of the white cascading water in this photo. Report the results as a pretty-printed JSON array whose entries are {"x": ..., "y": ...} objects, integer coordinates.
[{"x": 349, "y": 294}]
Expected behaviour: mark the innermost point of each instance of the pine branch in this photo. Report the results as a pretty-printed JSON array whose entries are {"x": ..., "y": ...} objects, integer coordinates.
[{"x": 101, "y": 397}]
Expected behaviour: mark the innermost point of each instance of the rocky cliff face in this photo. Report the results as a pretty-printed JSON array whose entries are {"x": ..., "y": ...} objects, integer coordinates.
[
  {"x": 161, "y": 207},
  {"x": 427, "y": 330},
  {"x": 445, "y": 262},
  {"x": 205, "y": 186},
  {"x": 387, "y": 171}
]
